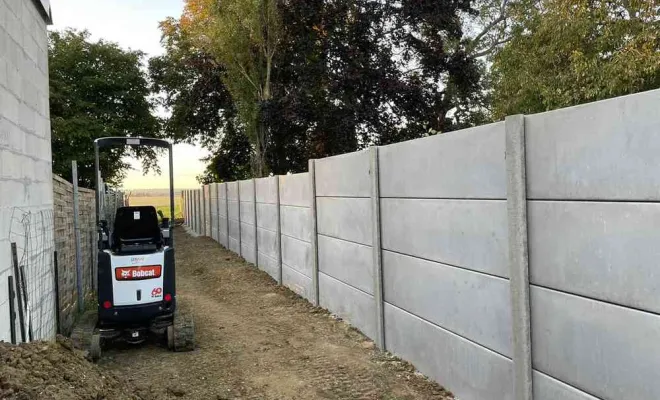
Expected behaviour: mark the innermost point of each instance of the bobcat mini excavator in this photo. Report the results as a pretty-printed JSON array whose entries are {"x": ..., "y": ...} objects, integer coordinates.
[{"x": 136, "y": 272}]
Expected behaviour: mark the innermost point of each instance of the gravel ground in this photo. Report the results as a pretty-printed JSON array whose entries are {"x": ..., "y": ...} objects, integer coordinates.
[{"x": 257, "y": 340}]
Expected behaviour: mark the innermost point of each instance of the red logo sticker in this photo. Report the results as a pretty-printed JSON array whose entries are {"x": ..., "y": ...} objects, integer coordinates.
[
  {"x": 137, "y": 273},
  {"x": 157, "y": 292}
]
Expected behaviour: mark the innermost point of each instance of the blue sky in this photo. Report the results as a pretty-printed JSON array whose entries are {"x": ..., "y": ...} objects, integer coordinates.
[{"x": 132, "y": 24}]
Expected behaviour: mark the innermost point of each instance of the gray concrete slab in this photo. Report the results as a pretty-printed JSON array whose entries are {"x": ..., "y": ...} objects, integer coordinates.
[
  {"x": 297, "y": 255},
  {"x": 247, "y": 234},
  {"x": 295, "y": 190},
  {"x": 267, "y": 216},
  {"x": 472, "y": 305},
  {"x": 233, "y": 245},
  {"x": 609, "y": 351},
  {"x": 354, "y": 306},
  {"x": 233, "y": 210},
  {"x": 246, "y": 189},
  {"x": 470, "y": 371},
  {"x": 296, "y": 222},
  {"x": 247, "y": 212},
  {"x": 347, "y": 261},
  {"x": 267, "y": 243},
  {"x": 605, "y": 150},
  {"x": 297, "y": 282},
  {"x": 268, "y": 265},
  {"x": 468, "y": 234},
  {"x": 232, "y": 191},
  {"x": 344, "y": 175},
  {"x": 248, "y": 253},
  {"x": 266, "y": 190},
  {"x": 222, "y": 191},
  {"x": 464, "y": 164},
  {"x": 345, "y": 218},
  {"x": 606, "y": 251},
  {"x": 548, "y": 388},
  {"x": 222, "y": 208}
]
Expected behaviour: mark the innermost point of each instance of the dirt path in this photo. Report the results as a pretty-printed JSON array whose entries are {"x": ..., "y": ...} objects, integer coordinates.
[{"x": 257, "y": 340}]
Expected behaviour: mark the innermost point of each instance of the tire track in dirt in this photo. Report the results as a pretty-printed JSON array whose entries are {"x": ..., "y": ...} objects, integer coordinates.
[{"x": 257, "y": 340}]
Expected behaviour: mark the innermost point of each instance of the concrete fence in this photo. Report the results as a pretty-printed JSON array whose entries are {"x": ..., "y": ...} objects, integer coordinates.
[{"x": 508, "y": 261}]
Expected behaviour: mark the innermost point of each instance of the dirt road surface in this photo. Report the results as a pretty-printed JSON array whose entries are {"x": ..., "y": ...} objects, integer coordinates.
[{"x": 257, "y": 340}]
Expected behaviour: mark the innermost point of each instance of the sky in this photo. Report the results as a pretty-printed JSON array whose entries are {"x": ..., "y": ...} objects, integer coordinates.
[{"x": 133, "y": 24}]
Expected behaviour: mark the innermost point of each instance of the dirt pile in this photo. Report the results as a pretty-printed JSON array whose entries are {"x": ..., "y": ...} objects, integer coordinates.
[{"x": 54, "y": 370}]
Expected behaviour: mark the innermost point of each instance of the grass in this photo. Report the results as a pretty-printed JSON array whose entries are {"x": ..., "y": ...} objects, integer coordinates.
[{"x": 162, "y": 203}]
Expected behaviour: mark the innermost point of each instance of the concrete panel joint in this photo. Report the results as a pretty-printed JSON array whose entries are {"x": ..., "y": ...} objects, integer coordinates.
[
  {"x": 377, "y": 249},
  {"x": 315, "y": 247},
  {"x": 518, "y": 257}
]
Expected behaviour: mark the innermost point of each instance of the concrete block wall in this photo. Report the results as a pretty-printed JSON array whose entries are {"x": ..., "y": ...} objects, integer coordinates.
[
  {"x": 206, "y": 207},
  {"x": 213, "y": 211},
  {"x": 248, "y": 221},
  {"x": 223, "y": 226},
  {"x": 508, "y": 261},
  {"x": 26, "y": 184}
]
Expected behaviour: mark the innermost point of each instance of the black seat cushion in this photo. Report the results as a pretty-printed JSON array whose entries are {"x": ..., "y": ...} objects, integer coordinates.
[{"x": 136, "y": 226}]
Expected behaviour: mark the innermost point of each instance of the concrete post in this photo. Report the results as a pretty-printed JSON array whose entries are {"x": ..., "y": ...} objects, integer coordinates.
[
  {"x": 315, "y": 238},
  {"x": 240, "y": 239},
  {"x": 278, "y": 231},
  {"x": 518, "y": 257},
  {"x": 227, "y": 213},
  {"x": 217, "y": 196},
  {"x": 256, "y": 232},
  {"x": 377, "y": 249},
  {"x": 76, "y": 233}
]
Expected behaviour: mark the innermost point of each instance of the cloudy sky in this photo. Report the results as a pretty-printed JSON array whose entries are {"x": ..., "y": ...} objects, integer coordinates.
[{"x": 133, "y": 24}]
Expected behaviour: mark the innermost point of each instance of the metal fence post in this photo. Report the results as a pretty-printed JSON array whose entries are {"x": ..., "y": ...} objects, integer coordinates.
[
  {"x": 377, "y": 249},
  {"x": 76, "y": 233},
  {"x": 315, "y": 238},
  {"x": 518, "y": 256},
  {"x": 278, "y": 231}
]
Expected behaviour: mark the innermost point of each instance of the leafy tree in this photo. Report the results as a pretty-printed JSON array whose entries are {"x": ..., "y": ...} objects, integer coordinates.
[
  {"x": 96, "y": 89},
  {"x": 568, "y": 52}
]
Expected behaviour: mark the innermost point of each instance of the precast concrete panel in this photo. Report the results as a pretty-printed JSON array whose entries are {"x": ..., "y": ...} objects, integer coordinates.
[
  {"x": 247, "y": 234},
  {"x": 206, "y": 192},
  {"x": 470, "y": 371},
  {"x": 355, "y": 306},
  {"x": 606, "y": 251},
  {"x": 348, "y": 262},
  {"x": 469, "y": 234},
  {"x": 297, "y": 254},
  {"x": 267, "y": 216},
  {"x": 269, "y": 265},
  {"x": 609, "y": 351},
  {"x": 345, "y": 175},
  {"x": 246, "y": 190},
  {"x": 548, "y": 388},
  {"x": 464, "y": 164},
  {"x": 213, "y": 202},
  {"x": 248, "y": 252},
  {"x": 345, "y": 218},
  {"x": 267, "y": 242},
  {"x": 232, "y": 191},
  {"x": 472, "y": 305},
  {"x": 266, "y": 189},
  {"x": 295, "y": 190},
  {"x": 247, "y": 212},
  {"x": 607, "y": 150},
  {"x": 296, "y": 222},
  {"x": 299, "y": 283}
]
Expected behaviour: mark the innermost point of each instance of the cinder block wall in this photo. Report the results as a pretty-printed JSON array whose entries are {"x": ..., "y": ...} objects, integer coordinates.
[
  {"x": 420, "y": 245},
  {"x": 65, "y": 244},
  {"x": 25, "y": 153}
]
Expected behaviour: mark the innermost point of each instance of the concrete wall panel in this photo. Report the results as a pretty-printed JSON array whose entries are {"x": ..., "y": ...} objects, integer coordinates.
[
  {"x": 606, "y": 251},
  {"x": 246, "y": 190},
  {"x": 548, "y": 388},
  {"x": 609, "y": 351},
  {"x": 221, "y": 190},
  {"x": 268, "y": 265},
  {"x": 605, "y": 150},
  {"x": 248, "y": 252},
  {"x": 267, "y": 216},
  {"x": 266, "y": 190},
  {"x": 346, "y": 175},
  {"x": 234, "y": 230},
  {"x": 355, "y": 306},
  {"x": 247, "y": 212},
  {"x": 295, "y": 190},
  {"x": 348, "y": 262},
  {"x": 463, "y": 164},
  {"x": 468, "y": 234},
  {"x": 232, "y": 191},
  {"x": 470, "y": 371},
  {"x": 296, "y": 222},
  {"x": 267, "y": 242},
  {"x": 297, "y": 282},
  {"x": 233, "y": 245},
  {"x": 247, "y": 234},
  {"x": 297, "y": 254},
  {"x": 345, "y": 218},
  {"x": 233, "y": 210},
  {"x": 473, "y": 305}
]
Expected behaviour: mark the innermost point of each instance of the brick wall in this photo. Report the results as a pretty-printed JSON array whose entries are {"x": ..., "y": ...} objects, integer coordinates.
[
  {"x": 25, "y": 158},
  {"x": 65, "y": 244}
]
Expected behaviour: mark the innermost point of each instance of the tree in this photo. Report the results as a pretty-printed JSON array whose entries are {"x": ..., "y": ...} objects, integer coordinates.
[
  {"x": 568, "y": 52},
  {"x": 96, "y": 89},
  {"x": 243, "y": 36}
]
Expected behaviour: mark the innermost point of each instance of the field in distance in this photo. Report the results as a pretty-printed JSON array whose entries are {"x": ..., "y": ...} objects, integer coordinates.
[{"x": 158, "y": 198}]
